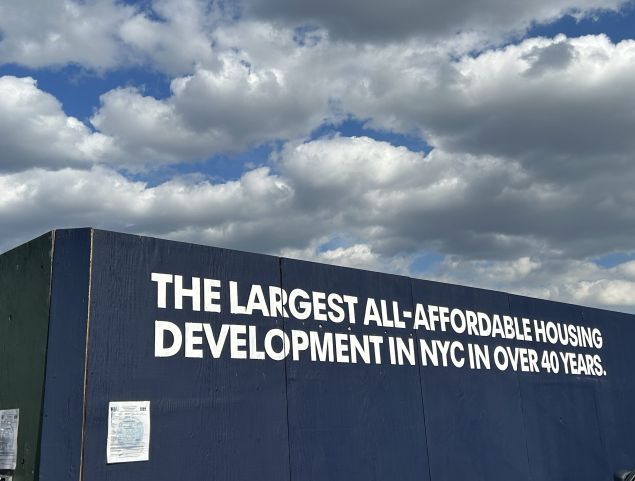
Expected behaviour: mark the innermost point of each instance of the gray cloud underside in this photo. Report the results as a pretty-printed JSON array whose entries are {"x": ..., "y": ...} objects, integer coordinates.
[
  {"x": 392, "y": 203},
  {"x": 380, "y": 21}
]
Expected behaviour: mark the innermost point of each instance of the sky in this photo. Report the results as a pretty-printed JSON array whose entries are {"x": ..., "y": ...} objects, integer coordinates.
[{"x": 487, "y": 143}]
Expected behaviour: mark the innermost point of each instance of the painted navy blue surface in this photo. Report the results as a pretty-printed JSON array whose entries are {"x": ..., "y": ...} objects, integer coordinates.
[
  {"x": 235, "y": 420},
  {"x": 474, "y": 417},
  {"x": 64, "y": 381},
  {"x": 353, "y": 421},
  {"x": 615, "y": 394},
  {"x": 218, "y": 419},
  {"x": 564, "y": 438}
]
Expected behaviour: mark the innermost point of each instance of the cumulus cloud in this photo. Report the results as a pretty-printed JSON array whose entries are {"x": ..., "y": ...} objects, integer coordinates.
[
  {"x": 536, "y": 105},
  {"x": 537, "y": 100},
  {"x": 263, "y": 210},
  {"x": 569, "y": 280},
  {"x": 561, "y": 107},
  {"x": 515, "y": 167},
  {"x": 295, "y": 209},
  {"x": 555, "y": 105},
  {"x": 263, "y": 86},
  {"x": 35, "y": 131},
  {"x": 528, "y": 177},
  {"x": 151, "y": 131},
  {"x": 352, "y": 201},
  {"x": 173, "y": 36},
  {"x": 59, "y": 32},
  {"x": 358, "y": 256},
  {"x": 169, "y": 35},
  {"x": 211, "y": 112},
  {"x": 36, "y": 200}
]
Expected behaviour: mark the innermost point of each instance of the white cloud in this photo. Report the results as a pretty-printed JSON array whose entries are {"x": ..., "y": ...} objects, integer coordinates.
[
  {"x": 350, "y": 167},
  {"x": 359, "y": 256},
  {"x": 171, "y": 36},
  {"x": 576, "y": 281},
  {"x": 210, "y": 112},
  {"x": 149, "y": 130},
  {"x": 264, "y": 86},
  {"x": 627, "y": 269},
  {"x": 606, "y": 292},
  {"x": 174, "y": 37},
  {"x": 498, "y": 183},
  {"x": 36, "y": 200},
  {"x": 35, "y": 131},
  {"x": 262, "y": 211},
  {"x": 387, "y": 205},
  {"x": 561, "y": 107},
  {"x": 59, "y": 32}
]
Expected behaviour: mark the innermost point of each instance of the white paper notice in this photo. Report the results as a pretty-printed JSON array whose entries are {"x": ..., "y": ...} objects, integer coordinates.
[
  {"x": 9, "y": 421},
  {"x": 128, "y": 431}
]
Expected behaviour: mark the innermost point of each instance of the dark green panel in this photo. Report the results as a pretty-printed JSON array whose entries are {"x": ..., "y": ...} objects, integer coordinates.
[{"x": 25, "y": 277}]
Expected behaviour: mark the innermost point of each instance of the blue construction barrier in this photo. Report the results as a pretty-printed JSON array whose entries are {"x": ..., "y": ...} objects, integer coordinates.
[{"x": 255, "y": 367}]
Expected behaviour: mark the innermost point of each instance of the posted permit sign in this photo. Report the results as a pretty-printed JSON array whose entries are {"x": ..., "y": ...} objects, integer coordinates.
[
  {"x": 9, "y": 420},
  {"x": 128, "y": 431}
]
